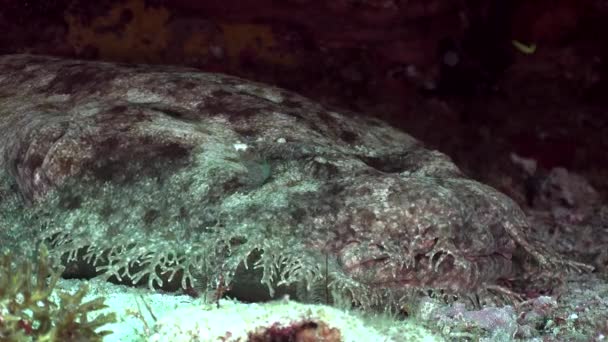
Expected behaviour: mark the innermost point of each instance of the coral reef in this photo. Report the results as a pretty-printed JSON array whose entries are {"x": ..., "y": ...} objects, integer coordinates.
[{"x": 298, "y": 331}]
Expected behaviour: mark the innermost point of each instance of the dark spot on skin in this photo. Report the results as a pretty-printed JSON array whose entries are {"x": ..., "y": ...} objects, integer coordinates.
[
  {"x": 173, "y": 151},
  {"x": 170, "y": 112},
  {"x": 70, "y": 64},
  {"x": 565, "y": 203},
  {"x": 114, "y": 229},
  {"x": 70, "y": 202},
  {"x": 21, "y": 64},
  {"x": 348, "y": 137},
  {"x": 388, "y": 164},
  {"x": 49, "y": 107},
  {"x": 295, "y": 114},
  {"x": 299, "y": 214},
  {"x": 211, "y": 107},
  {"x": 230, "y": 81},
  {"x": 239, "y": 240},
  {"x": 419, "y": 258},
  {"x": 325, "y": 117},
  {"x": 374, "y": 122},
  {"x": 221, "y": 93},
  {"x": 32, "y": 60},
  {"x": 34, "y": 161},
  {"x": 107, "y": 171},
  {"x": 183, "y": 213},
  {"x": 231, "y": 159},
  {"x": 150, "y": 216},
  {"x": 321, "y": 170},
  {"x": 329, "y": 120},
  {"x": 106, "y": 211},
  {"x": 236, "y": 115},
  {"x": 246, "y": 132},
  {"x": 315, "y": 127},
  {"x": 122, "y": 118},
  {"x": 291, "y": 104},
  {"x": 122, "y": 161},
  {"x": 366, "y": 217},
  {"x": 130, "y": 66},
  {"x": 118, "y": 109},
  {"x": 230, "y": 186},
  {"x": 363, "y": 192},
  {"x": 109, "y": 144},
  {"x": 188, "y": 85},
  {"x": 69, "y": 80}
]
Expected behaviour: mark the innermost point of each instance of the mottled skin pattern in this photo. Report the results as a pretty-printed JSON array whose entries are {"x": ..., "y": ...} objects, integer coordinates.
[
  {"x": 390, "y": 213},
  {"x": 426, "y": 237}
]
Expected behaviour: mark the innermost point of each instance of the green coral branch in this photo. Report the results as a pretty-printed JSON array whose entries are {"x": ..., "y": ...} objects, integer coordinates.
[{"x": 28, "y": 313}]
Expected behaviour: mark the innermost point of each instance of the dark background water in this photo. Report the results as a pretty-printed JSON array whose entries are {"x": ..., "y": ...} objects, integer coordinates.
[{"x": 463, "y": 76}]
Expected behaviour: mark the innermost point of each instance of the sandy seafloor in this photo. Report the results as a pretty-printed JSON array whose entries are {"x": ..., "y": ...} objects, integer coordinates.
[
  {"x": 183, "y": 318},
  {"x": 578, "y": 313}
]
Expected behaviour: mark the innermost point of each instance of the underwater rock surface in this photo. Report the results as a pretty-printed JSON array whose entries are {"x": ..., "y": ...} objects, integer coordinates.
[{"x": 171, "y": 177}]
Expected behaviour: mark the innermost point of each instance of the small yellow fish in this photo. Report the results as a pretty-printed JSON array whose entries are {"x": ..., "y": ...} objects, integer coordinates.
[{"x": 527, "y": 49}]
